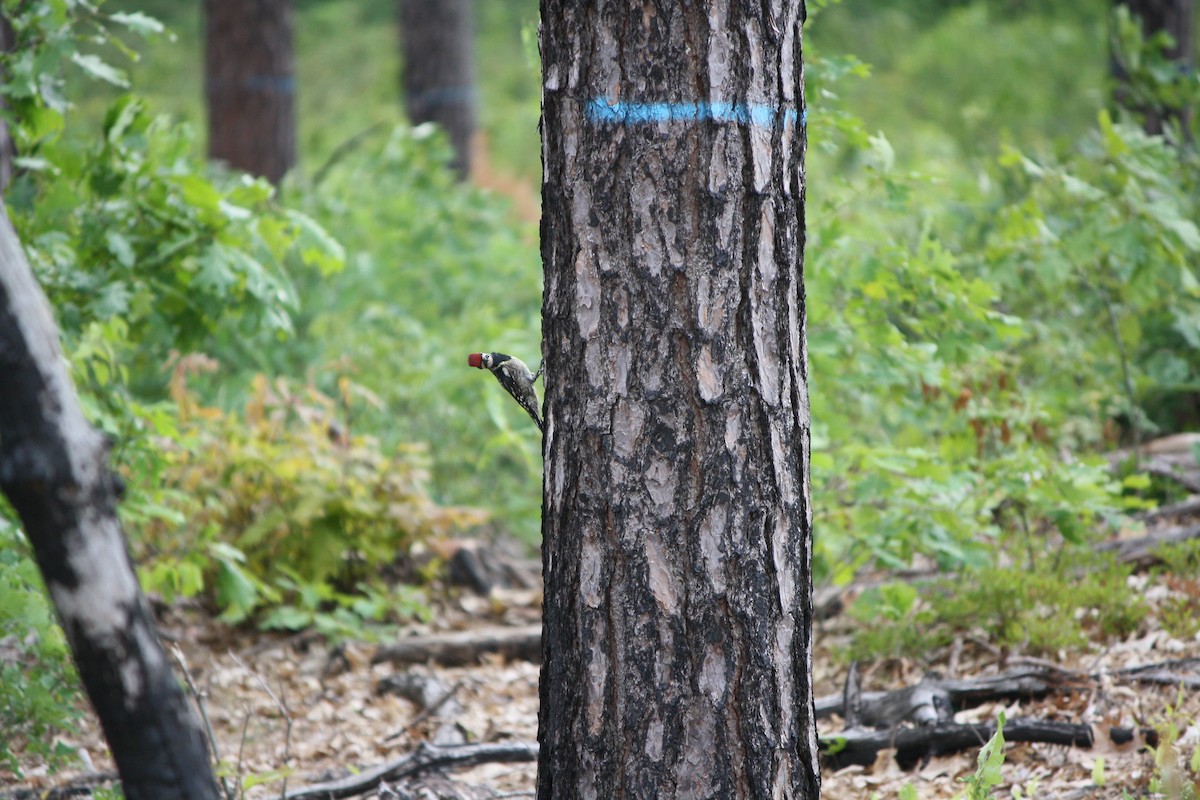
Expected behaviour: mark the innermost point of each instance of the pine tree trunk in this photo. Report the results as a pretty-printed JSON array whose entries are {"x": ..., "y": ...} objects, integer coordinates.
[
  {"x": 8, "y": 150},
  {"x": 676, "y": 517},
  {"x": 250, "y": 82},
  {"x": 54, "y": 470},
  {"x": 439, "y": 71}
]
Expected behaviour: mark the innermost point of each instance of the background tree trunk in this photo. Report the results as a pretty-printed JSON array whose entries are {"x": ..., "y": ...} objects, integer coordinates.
[
  {"x": 438, "y": 77},
  {"x": 54, "y": 470},
  {"x": 676, "y": 517},
  {"x": 8, "y": 150},
  {"x": 249, "y": 75},
  {"x": 1176, "y": 18}
]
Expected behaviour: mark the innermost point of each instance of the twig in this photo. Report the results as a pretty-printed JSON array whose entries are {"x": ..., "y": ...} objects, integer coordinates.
[
  {"x": 1126, "y": 378},
  {"x": 287, "y": 717},
  {"x": 237, "y": 773},
  {"x": 426, "y": 713},
  {"x": 287, "y": 740},
  {"x": 199, "y": 697},
  {"x": 1167, "y": 472},
  {"x": 295, "y": 640},
  {"x": 956, "y": 648},
  {"x": 426, "y": 757},
  {"x": 1181, "y": 509},
  {"x": 342, "y": 150}
]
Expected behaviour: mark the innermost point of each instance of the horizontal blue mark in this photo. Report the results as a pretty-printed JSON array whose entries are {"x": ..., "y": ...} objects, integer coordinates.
[{"x": 757, "y": 114}]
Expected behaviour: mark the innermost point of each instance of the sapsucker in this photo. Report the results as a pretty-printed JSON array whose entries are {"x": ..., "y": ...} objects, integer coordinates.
[{"x": 516, "y": 378}]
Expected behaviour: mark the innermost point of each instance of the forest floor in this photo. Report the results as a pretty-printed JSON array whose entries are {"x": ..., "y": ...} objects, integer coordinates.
[{"x": 298, "y": 708}]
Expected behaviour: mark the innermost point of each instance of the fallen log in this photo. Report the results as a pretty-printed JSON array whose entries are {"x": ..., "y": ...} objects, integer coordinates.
[
  {"x": 463, "y": 648},
  {"x": 79, "y": 786},
  {"x": 927, "y": 700},
  {"x": 1142, "y": 551},
  {"x": 1184, "y": 508},
  {"x": 861, "y": 746},
  {"x": 426, "y": 757},
  {"x": 1165, "y": 673}
]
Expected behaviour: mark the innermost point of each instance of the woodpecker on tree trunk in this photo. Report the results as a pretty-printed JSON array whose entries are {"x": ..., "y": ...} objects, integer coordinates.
[{"x": 516, "y": 378}]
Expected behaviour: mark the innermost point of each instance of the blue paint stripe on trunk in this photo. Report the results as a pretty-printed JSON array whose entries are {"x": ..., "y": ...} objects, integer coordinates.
[{"x": 758, "y": 115}]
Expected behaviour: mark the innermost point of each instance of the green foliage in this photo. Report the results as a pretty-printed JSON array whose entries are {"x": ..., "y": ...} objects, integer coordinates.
[
  {"x": 954, "y": 79},
  {"x": 347, "y": 62},
  {"x": 1153, "y": 84},
  {"x": 49, "y": 35},
  {"x": 1179, "y": 614},
  {"x": 436, "y": 270},
  {"x": 987, "y": 774},
  {"x": 1040, "y": 608},
  {"x": 1110, "y": 233},
  {"x": 958, "y": 347},
  {"x": 38, "y": 684},
  {"x": 1176, "y": 774},
  {"x": 283, "y": 506},
  {"x": 942, "y": 446},
  {"x": 128, "y": 231}
]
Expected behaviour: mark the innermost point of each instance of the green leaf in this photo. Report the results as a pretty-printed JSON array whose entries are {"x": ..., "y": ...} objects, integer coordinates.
[
  {"x": 316, "y": 246},
  {"x": 1138, "y": 482},
  {"x": 98, "y": 69},
  {"x": 991, "y": 757},
  {"x": 287, "y": 618},
  {"x": 40, "y": 123},
  {"x": 216, "y": 271},
  {"x": 120, "y": 247},
  {"x": 236, "y": 591},
  {"x": 121, "y": 116},
  {"x": 137, "y": 21},
  {"x": 1187, "y": 280},
  {"x": 202, "y": 195},
  {"x": 1081, "y": 189},
  {"x": 34, "y": 164},
  {"x": 113, "y": 300},
  {"x": 881, "y": 154},
  {"x": 1113, "y": 142},
  {"x": 1185, "y": 230}
]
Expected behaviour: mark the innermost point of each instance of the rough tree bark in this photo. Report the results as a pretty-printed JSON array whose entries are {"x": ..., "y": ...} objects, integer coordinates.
[
  {"x": 249, "y": 78},
  {"x": 1176, "y": 18},
  {"x": 676, "y": 518},
  {"x": 54, "y": 470},
  {"x": 438, "y": 78}
]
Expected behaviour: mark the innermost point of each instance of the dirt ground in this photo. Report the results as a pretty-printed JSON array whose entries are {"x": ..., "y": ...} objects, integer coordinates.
[{"x": 341, "y": 720}]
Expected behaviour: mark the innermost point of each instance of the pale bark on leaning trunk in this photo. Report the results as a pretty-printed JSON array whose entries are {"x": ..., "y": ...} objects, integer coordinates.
[
  {"x": 54, "y": 470},
  {"x": 676, "y": 516}
]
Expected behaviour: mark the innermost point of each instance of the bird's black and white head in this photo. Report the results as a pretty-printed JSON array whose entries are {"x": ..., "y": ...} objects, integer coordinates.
[{"x": 487, "y": 360}]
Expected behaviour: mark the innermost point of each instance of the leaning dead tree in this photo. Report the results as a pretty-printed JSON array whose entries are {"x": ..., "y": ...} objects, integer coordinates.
[
  {"x": 54, "y": 470},
  {"x": 675, "y": 515}
]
